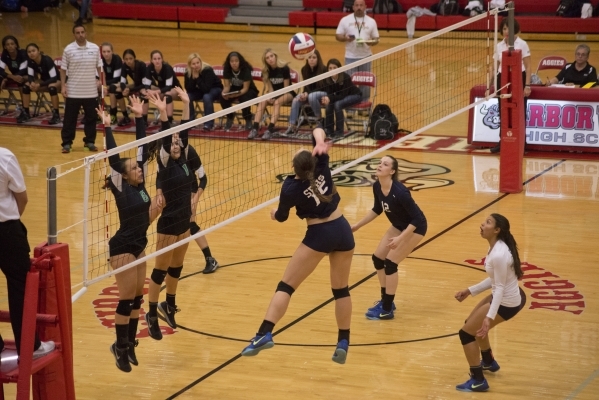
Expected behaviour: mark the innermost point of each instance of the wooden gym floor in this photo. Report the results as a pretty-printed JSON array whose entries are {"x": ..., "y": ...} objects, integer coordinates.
[{"x": 549, "y": 351}]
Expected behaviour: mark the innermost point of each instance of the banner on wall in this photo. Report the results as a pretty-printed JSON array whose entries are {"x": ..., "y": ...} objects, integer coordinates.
[{"x": 550, "y": 122}]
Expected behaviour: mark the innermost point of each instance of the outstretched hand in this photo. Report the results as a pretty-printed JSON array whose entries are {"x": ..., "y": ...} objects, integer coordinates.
[
  {"x": 136, "y": 106},
  {"x": 156, "y": 101},
  {"x": 104, "y": 116}
]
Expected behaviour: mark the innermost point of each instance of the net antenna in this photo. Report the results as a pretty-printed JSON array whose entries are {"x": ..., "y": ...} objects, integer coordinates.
[{"x": 425, "y": 81}]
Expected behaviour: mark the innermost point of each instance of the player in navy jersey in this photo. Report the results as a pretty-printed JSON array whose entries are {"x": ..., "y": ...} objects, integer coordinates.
[
  {"x": 312, "y": 192},
  {"x": 275, "y": 75},
  {"x": 15, "y": 59},
  {"x": 502, "y": 264},
  {"x": 136, "y": 71},
  {"x": 161, "y": 80},
  {"x": 178, "y": 168},
  {"x": 136, "y": 212},
  {"x": 408, "y": 227},
  {"x": 42, "y": 75},
  {"x": 113, "y": 69}
]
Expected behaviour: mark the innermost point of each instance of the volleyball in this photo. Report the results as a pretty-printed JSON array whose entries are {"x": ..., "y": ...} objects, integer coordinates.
[{"x": 301, "y": 46}]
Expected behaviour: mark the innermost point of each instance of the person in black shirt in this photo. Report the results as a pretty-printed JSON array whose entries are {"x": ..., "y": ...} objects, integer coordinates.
[
  {"x": 580, "y": 72},
  {"x": 238, "y": 86},
  {"x": 136, "y": 212},
  {"x": 42, "y": 77},
  {"x": 178, "y": 164},
  {"x": 275, "y": 75},
  {"x": 341, "y": 93},
  {"x": 202, "y": 84},
  {"x": 408, "y": 227},
  {"x": 15, "y": 59},
  {"x": 113, "y": 68},
  {"x": 135, "y": 70},
  {"x": 312, "y": 192},
  {"x": 161, "y": 80},
  {"x": 312, "y": 93}
]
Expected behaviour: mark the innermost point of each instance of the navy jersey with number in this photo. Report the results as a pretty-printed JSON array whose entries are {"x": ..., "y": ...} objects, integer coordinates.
[
  {"x": 133, "y": 202},
  {"x": 299, "y": 194},
  {"x": 399, "y": 206}
]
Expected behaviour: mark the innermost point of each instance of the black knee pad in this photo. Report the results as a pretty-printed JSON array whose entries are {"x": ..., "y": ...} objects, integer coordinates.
[
  {"x": 26, "y": 89},
  {"x": 118, "y": 95},
  {"x": 465, "y": 337},
  {"x": 175, "y": 272},
  {"x": 169, "y": 99},
  {"x": 137, "y": 302},
  {"x": 193, "y": 228},
  {"x": 378, "y": 263},
  {"x": 283, "y": 287},
  {"x": 340, "y": 293},
  {"x": 124, "y": 307},
  {"x": 390, "y": 267},
  {"x": 112, "y": 89},
  {"x": 53, "y": 91},
  {"x": 158, "y": 276}
]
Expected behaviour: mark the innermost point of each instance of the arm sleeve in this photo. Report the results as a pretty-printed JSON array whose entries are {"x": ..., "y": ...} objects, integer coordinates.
[
  {"x": 30, "y": 74},
  {"x": 23, "y": 68},
  {"x": 114, "y": 161},
  {"x": 377, "y": 207},
  {"x": 168, "y": 81},
  {"x": 194, "y": 162},
  {"x": 3, "y": 73},
  {"x": 16, "y": 182},
  {"x": 375, "y": 31},
  {"x": 147, "y": 80},
  {"x": 142, "y": 151},
  {"x": 139, "y": 84},
  {"x": 501, "y": 265},
  {"x": 166, "y": 145},
  {"x": 592, "y": 76},
  {"x": 560, "y": 75},
  {"x": 480, "y": 287},
  {"x": 285, "y": 204},
  {"x": 51, "y": 72},
  {"x": 116, "y": 72},
  {"x": 184, "y": 135},
  {"x": 64, "y": 62}
]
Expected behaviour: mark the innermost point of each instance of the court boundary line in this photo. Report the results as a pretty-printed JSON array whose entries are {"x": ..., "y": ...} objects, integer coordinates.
[{"x": 312, "y": 311}]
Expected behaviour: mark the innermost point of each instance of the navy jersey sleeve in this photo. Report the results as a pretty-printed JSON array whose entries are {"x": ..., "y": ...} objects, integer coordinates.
[
  {"x": 377, "y": 208},
  {"x": 169, "y": 78},
  {"x": 117, "y": 68},
  {"x": 195, "y": 165},
  {"x": 50, "y": 68},
  {"x": 286, "y": 203},
  {"x": 147, "y": 80}
]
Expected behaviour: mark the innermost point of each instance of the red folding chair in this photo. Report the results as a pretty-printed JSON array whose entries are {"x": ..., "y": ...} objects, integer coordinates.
[
  {"x": 550, "y": 62},
  {"x": 362, "y": 78}
]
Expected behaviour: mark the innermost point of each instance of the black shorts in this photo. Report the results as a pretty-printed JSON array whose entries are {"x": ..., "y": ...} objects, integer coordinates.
[
  {"x": 173, "y": 226},
  {"x": 421, "y": 230},
  {"x": 510, "y": 312},
  {"x": 330, "y": 236},
  {"x": 121, "y": 244}
]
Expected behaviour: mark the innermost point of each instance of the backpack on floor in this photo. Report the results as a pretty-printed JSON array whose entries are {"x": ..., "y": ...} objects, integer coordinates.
[
  {"x": 10, "y": 5},
  {"x": 446, "y": 7},
  {"x": 383, "y": 123},
  {"x": 386, "y": 7},
  {"x": 569, "y": 8}
]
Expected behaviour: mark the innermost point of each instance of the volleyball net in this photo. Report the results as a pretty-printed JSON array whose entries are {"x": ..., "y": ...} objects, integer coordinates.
[{"x": 425, "y": 82}]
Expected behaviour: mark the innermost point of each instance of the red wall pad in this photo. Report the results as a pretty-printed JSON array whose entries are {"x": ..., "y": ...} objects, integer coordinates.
[
  {"x": 202, "y": 14},
  {"x": 332, "y": 4},
  {"x": 538, "y": 24},
  {"x": 512, "y": 124},
  {"x": 302, "y": 18},
  {"x": 392, "y": 21},
  {"x": 136, "y": 11},
  {"x": 329, "y": 19}
]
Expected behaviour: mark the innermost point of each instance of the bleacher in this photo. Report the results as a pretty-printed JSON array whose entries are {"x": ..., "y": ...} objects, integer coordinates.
[{"x": 534, "y": 16}]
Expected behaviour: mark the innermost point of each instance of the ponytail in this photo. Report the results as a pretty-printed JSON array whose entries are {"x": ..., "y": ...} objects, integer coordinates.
[
  {"x": 506, "y": 236},
  {"x": 303, "y": 165}
]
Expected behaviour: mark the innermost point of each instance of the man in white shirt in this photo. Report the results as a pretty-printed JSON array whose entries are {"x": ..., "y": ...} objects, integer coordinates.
[
  {"x": 360, "y": 33},
  {"x": 14, "y": 247},
  {"x": 81, "y": 62}
]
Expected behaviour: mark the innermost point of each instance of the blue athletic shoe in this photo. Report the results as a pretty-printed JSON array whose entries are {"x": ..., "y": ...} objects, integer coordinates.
[
  {"x": 379, "y": 305},
  {"x": 341, "y": 352},
  {"x": 258, "y": 344},
  {"x": 379, "y": 313},
  {"x": 493, "y": 367},
  {"x": 472, "y": 385}
]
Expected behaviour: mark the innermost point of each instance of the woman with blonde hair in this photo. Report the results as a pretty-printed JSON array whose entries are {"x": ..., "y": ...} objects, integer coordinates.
[
  {"x": 275, "y": 75},
  {"x": 201, "y": 83}
]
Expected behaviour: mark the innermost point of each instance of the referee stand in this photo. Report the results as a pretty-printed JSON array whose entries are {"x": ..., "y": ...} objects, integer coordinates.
[
  {"x": 47, "y": 310},
  {"x": 513, "y": 129}
]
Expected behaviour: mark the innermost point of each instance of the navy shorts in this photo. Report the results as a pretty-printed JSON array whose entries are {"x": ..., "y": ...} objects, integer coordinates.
[
  {"x": 120, "y": 244},
  {"x": 173, "y": 226},
  {"x": 421, "y": 230},
  {"x": 330, "y": 236},
  {"x": 510, "y": 312}
]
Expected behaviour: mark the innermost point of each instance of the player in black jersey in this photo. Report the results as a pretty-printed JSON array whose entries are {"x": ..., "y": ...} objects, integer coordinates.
[
  {"x": 136, "y": 212},
  {"x": 15, "y": 59},
  {"x": 161, "y": 80},
  {"x": 135, "y": 70},
  {"x": 42, "y": 77},
  {"x": 113, "y": 68},
  {"x": 275, "y": 75},
  {"x": 312, "y": 192},
  {"x": 238, "y": 85},
  {"x": 178, "y": 164},
  {"x": 408, "y": 227}
]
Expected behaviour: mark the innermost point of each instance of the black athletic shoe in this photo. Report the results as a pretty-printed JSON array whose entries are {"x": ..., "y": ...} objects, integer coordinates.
[
  {"x": 124, "y": 122},
  {"x": 211, "y": 265},
  {"x": 168, "y": 313},
  {"x": 23, "y": 117},
  {"x": 153, "y": 327},
  {"x": 131, "y": 352},
  {"x": 120, "y": 355},
  {"x": 55, "y": 119}
]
